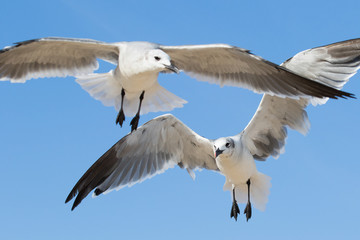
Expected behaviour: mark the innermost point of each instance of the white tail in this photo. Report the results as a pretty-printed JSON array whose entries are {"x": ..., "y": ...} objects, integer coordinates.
[
  {"x": 156, "y": 99},
  {"x": 259, "y": 190},
  {"x": 105, "y": 88},
  {"x": 102, "y": 87}
]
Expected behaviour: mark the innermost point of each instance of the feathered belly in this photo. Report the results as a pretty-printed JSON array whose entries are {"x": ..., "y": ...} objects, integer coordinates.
[
  {"x": 237, "y": 170},
  {"x": 139, "y": 82}
]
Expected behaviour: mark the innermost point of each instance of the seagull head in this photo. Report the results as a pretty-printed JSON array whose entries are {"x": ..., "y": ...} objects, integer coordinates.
[
  {"x": 160, "y": 61},
  {"x": 224, "y": 146}
]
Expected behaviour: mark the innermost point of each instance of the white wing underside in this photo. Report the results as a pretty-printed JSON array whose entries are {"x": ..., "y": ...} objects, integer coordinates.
[
  {"x": 332, "y": 65},
  {"x": 266, "y": 132},
  {"x": 166, "y": 140},
  {"x": 153, "y": 148}
]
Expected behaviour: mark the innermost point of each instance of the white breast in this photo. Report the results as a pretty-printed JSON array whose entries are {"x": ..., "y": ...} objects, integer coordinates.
[
  {"x": 138, "y": 82},
  {"x": 237, "y": 168}
]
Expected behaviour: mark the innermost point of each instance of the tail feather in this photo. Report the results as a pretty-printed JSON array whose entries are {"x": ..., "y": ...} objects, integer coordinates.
[
  {"x": 259, "y": 191},
  {"x": 102, "y": 87},
  {"x": 156, "y": 99},
  {"x": 105, "y": 88}
]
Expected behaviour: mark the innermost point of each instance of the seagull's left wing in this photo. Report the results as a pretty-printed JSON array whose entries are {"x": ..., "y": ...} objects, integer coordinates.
[
  {"x": 156, "y": 146},
  {"x": 332, "y": 64},
  {"x": 266, "y": 132},
  {"x": 228, "y": 65}
]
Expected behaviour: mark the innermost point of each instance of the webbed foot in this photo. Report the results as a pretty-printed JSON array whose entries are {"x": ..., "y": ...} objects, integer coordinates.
[
  {"x": 134, "y": 122},
  {"x": 234, "y": 210}
]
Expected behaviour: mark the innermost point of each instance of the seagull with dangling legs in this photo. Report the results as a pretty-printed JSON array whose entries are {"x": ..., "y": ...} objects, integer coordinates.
[
  {"x": 165, "y": 141},
  {"x": 132, "y": 86}
]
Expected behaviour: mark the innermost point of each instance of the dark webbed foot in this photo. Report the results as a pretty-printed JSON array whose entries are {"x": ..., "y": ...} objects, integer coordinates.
[
  {"x": 134, "y": 122},
  {"x": 234, "y": 210},
  {"x": 120, "y": 117},
  {"x": 247, "y": 211}
]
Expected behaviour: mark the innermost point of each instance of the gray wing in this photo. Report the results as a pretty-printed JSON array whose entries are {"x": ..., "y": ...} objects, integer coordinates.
[
  {"x": 228, "y": 65},
  {"x": 266, "y": 133},
  {"x": 156, "y": 146},
  {"x": 54, "y": 57},
  {"x": 332, "y": 64}
]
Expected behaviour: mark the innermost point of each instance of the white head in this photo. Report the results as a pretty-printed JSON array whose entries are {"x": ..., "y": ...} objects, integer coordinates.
[
  {"x": 160, "y": 61},
  {"x": 143, "y": 57},
  {"x": 224, "y": 146}
]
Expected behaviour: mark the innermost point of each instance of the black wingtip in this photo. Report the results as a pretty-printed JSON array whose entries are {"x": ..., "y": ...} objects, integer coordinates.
[
  {"x": 68, "y": 199},
  {"x": 18, "y": 44},
  {"x": 351, "y": 95},
  {"x": 98, "y": 191},
  {"x": 71, "y": 195},
  {"x": 345, "y": 95},
  {"x": 73, "y": 207},
  {"x": 77, "y": 201}
]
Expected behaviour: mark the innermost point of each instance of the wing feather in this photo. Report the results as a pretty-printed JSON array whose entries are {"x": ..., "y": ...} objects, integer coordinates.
[
  {"x": 228, "y": 65},
  {"x": 332, "y": 65},
  {"x": 156, "y": 146},
  {"x": 54, "y": 57},
  {"x": 266, "y": 133}
]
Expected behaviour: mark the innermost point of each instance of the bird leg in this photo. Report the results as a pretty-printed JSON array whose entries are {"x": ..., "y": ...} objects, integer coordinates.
[
  {"x": 247, "y": 210},
  {"x": 235, "y": 208},
  {"x": 135, "y": 121},
  {"x": 121, "y": 116}
]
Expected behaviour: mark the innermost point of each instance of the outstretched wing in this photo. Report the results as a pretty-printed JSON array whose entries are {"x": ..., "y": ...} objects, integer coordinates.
[
  {"x": 266, "y": 133},
  {"x": 332, "y": 65},
  {"x": 156, "y": 146},
  {"x": 53, "y": 57},
  {"x": 228, "y": 65}
]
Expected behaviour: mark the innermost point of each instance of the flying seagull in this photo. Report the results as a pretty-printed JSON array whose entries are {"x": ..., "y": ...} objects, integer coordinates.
[
  {"x": 132, "y": 87},
  {"x": 165, "y": 141}
]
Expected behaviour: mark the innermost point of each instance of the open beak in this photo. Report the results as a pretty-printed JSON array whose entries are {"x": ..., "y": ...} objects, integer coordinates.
[
  {"x": 218, "y": 152},
  {"x": 172, "y": 68}
]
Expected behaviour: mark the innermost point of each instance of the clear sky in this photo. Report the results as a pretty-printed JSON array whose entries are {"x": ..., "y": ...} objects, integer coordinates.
[{"x": 51, "y": 130}]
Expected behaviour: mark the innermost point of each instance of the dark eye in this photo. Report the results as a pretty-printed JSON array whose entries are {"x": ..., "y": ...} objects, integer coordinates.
[
  {"x": 157, "y": 58},
  {"x": 227, "y": 145}
]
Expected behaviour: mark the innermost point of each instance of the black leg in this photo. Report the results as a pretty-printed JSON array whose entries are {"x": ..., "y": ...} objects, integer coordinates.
[
  {"x": 235, "y": 208},
  {"x": 247, "y": 210},
  {"x": 135, "y": 121},
  {"x": 121, "y": 116}
]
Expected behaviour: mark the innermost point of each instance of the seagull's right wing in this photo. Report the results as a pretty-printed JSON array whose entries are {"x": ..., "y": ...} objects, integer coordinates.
[
  {"x": 233, "y": 66},
  {"x": 156, "y": 146},
  {"x": 54, "y": 57},
  {"x": 332, "y": 65}
]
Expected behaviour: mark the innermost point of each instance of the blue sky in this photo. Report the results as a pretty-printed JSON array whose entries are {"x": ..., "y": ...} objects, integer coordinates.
[{"x": 52, "y": 130}]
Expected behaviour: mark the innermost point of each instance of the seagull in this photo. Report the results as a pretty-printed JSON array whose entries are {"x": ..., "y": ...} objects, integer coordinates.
[
  {"x": 132, "y": 87},
  {"x": 165, "y": 141}
]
